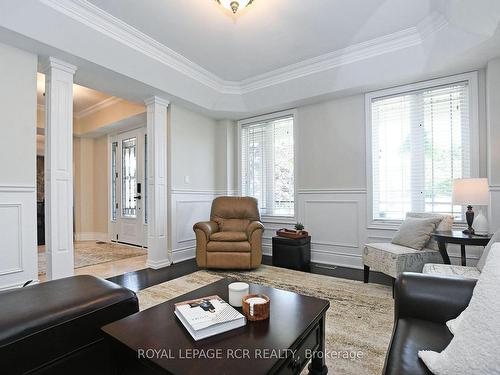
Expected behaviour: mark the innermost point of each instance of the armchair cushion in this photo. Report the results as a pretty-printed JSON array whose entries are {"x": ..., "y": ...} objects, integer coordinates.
[
  {"x": 393, "y": 259},
  {"x": 232, "y": 225},
  {"x": 229, "y": 236},
  {"x": 451, "y": 270},
  {"x": 230, "y": 247}
]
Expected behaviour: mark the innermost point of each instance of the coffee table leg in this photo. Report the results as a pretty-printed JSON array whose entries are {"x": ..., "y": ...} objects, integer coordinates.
[
  {"x": 444, "y": 253},
  {"x": 317, "y": 365},
  {"x": 464, "y": 259}
]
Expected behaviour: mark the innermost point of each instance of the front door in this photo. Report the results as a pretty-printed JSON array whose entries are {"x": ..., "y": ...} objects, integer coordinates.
[{"x": 128, "y": 188}]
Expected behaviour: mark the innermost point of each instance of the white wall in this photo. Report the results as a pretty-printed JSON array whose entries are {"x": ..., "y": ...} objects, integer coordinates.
[
  {"x": 198, "y": 164},
  {"x": 331, "y": 176},
  {"x": 493, "y": 119},
  {"x": 18, "y": 259}
]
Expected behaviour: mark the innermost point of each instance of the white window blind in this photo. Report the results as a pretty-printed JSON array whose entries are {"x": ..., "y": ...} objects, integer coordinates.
[
  {"x": 267, "y": 165},
  {"x": 420, "y": 143}
]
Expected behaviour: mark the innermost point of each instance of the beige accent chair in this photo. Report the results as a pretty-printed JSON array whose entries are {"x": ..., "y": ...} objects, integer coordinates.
[
  {"x": 392, "y": 259},
  {"x": 232, "y": 239}
]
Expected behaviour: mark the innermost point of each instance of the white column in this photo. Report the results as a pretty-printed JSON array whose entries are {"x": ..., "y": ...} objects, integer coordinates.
[
  {"x": 158, "y": 253},
  {"x": 58, "y": 167}
]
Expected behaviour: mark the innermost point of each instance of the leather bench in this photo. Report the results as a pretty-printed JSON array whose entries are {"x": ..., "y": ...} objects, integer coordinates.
[
  {"x": 422, "y": 306},
  {"x": 54, "y": 327}
]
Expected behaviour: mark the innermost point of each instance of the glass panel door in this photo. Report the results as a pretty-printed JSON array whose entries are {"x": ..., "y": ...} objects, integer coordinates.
[{"x": 129, "y": 177}]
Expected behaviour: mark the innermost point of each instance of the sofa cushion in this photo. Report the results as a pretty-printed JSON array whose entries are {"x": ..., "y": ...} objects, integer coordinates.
[
  {"x": 393, "y": 259},
  {"x": 415, "y": 232},
  {"x": 229, "y": 236},
  {"x": 58, "y": 317},
  {"x": 451, "y": 270},
  {"x": 410, "y": 336},
  {"x": 238, "y": 247}
]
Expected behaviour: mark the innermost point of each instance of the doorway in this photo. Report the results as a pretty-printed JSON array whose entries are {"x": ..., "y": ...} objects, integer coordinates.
[{"x": 128, "y": 195}]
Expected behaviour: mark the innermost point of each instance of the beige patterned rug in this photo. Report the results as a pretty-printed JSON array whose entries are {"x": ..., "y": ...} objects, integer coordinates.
[
  {"x": 359, "y": 319},
  {"x": 88, "y": 253}
]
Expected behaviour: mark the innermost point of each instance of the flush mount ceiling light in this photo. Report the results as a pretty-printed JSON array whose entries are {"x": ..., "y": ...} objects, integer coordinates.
[{"x": 235, "y": 5}]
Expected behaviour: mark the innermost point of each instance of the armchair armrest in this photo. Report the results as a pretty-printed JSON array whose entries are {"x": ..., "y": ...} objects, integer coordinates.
[
  {"x": 431, "y": 297},
  {"x": 253, "y": 226},
  {"x": 208, "y": 227}
]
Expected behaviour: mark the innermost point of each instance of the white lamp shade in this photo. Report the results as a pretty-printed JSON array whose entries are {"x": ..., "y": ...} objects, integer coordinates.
[{"x": 471, "y": 191}]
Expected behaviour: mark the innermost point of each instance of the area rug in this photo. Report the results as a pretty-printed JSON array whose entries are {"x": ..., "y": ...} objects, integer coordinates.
[
  {"x": 89, "y": 253},
  {"x": 359, "y": 319}
]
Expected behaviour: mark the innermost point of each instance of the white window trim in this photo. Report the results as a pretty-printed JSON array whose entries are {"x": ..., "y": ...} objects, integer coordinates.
[
  {"x": 263, "y": 118},
  {"x": 472, "y": 79}
]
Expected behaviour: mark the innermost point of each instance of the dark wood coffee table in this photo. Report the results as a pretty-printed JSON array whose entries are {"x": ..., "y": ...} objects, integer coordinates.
[{"x": 283, "y": 344}]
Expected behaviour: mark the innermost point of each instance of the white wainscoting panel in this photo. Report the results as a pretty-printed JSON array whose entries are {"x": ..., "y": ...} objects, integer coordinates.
[
  {"x": 187, "y": 208},
  {"x": 334, "y": 218},
  {"x": 18, "y": 250}
]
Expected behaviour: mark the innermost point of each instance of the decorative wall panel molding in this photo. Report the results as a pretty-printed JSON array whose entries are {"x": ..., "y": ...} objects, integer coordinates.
[{"x": 18, "y": 248}]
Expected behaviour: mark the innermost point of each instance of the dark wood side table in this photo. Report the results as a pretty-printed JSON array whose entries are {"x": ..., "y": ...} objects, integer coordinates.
[
  {"x": 292, "y": 253},
  {"x": 457, "y": 237}
]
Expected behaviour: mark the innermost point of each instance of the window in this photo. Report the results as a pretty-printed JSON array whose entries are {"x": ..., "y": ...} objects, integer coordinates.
[
  {"x": 129, "y": 177},
  {"x": 114, "y": 177},
  {"x": 267, "y": 164},
  {"x": 420, "y": 141}
]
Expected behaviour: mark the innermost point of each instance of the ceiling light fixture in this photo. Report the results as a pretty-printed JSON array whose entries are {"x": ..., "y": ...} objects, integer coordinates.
[{"x": 235, "y": 5}]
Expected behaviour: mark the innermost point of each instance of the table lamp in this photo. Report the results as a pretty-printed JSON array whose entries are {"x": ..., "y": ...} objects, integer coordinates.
[{"x": 468, "y": 192}]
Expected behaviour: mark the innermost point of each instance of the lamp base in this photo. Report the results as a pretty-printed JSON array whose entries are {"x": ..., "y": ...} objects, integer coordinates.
[
  {"x": 469, "y": 230},
  {"x": 481, "y": 224}
]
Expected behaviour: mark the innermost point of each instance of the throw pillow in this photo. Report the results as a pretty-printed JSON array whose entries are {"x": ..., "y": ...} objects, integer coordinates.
[
  {"x": 482, "y": 260},
  {"x": 453, "y": 324},
  {"x": 415, "y": 233},
  {"x": 444, "y": 225},
  {"x": 473, "y": 349}
]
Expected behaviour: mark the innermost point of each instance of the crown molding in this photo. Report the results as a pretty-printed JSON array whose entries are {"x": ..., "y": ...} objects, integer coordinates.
[
  {"x": 103, "y": 22},
  {"x": 108, "y": 102}
]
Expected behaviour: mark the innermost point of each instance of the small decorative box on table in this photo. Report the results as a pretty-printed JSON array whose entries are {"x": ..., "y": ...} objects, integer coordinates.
[{"x": 292, "y": 253}]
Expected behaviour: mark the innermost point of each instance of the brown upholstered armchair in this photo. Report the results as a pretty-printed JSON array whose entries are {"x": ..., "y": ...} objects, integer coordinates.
[{"x": 233, "y": 236}]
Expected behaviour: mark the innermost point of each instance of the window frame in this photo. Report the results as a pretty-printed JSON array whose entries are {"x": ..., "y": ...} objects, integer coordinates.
[
  {"x": 263, "y": 118},
  {"x": 472, "y": 79}
]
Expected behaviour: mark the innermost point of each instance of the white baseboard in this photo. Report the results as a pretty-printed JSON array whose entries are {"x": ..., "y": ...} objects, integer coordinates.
[
  {"x": 91, "y": 236},
  {"x": 184, "y": 253},
  {"x": 158, "y": 264},
  {"x": 329, "y": 257}
]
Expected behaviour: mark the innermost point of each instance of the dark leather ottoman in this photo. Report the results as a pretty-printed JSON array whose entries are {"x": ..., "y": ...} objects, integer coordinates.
[
  {"x": 54, "y": 327},
  {"x": 423, "y": 304}
]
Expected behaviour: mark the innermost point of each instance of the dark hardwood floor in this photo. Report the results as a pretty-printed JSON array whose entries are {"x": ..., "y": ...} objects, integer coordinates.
[{"x": 147, "y": 277}]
